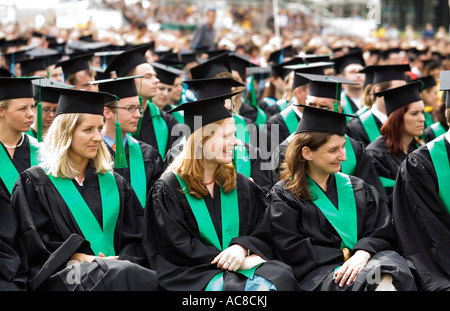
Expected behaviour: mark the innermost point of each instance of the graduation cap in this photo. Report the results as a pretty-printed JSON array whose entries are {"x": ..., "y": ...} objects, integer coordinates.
[
  {"x": 127, "y": 60},
  {"x": 444, "y": 85},
  {"x": 426, "y": 82},
  {"x": 81, "y": 101},
  {"x": 389, "y": 72},
  {"x": 20, "y": 87},
  {"x": 278, "y": 56},
  {"x": 214, "y": 53},
  {"x": 122, "y": 87},
  {"x": 400, "y": 96},
  {"x": 325, "y": 86},
  {"x": 354, "y": 57},
  {"x": 207, "y": 88},
  {"x": 260, "y": 73},
  {"x": 5, "y": 73},
  {"x": 48, "y": 90},
  {"x": 386, "y": 53},
  {"x": 28, "y": 66},
  {"x": 100, "y": 74},
  {"x": 240, "y": 63},
  {"x": 166, "y": 74},
  {"x": 282, "y": 69},
  {"x": 209, "y": 110},
  {"x": 12, "y": 58},
  {"x": 313, "y": 68},
  {"x": 322, "y": 121},
  {"x": 314, "y": 58},
  {"x": 211, "y": 67},
  {"x": 75, "y": 64},
  {"x": 106, "y": 57}
]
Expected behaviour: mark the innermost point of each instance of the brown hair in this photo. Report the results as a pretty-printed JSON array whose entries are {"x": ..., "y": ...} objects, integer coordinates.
[
  {"x": 293, "y": 169},
  {"x": 72, "y": 79}
]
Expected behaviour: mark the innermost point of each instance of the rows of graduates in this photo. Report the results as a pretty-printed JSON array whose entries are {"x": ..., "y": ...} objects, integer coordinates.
[{"x": 189, "y": 174}]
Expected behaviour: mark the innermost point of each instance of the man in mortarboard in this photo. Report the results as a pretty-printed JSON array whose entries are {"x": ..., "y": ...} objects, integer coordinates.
[
  {"x": 349, "y": 66},
  {"x": 143, "y": 164},
  {"x": 36, "y": 67},
  {"x": 167, "y": 77},
  {"x": 78, "y": 72},
  {"x": 367, "y": 128},
  {"x": 428, "y": 89},
  {"x": 156, "y": 126},
  {"x": 391, "y": 56},
  {"x": 421, "y": 207}
]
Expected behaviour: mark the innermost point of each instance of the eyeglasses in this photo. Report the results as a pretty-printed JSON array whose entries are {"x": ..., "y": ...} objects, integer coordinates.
[
  {"x": 47, "y": 110},
  {"x": 132, "y": 109}
]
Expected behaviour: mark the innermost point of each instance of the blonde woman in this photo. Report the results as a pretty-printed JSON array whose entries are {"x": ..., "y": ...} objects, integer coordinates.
[
  {"x": 80, "y": 221},
  {"x": 206, "y": 225}
]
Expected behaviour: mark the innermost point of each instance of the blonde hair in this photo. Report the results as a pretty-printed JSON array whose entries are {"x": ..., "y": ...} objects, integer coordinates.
[
  {"x": 54, "y": 155},
  {"x": 189, "y": 165}
]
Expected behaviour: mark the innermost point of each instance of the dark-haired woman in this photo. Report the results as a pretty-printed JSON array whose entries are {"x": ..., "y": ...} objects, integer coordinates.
[
  {"x": 399, "y": 134},
  {"x": 333, "y": 229}
]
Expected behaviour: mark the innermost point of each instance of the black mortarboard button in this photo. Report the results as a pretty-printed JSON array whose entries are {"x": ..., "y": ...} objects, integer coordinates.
[
  {"x": 122, "y": 87},
  {"x": 313, "y": 68},
  {"x": 75, "y": 64},
  {"x": 49, "y": 90},
  {"x": 384, "y": 73},
  {"x": 322, "y": 121},
  {"x": 279, "y": 56},
  {"x": 124, "y": 62},
  {"x": 314, "y": 58},
  {"x": 206, "y": 88},
  {"x": 400, "y": 96},
  {"x": 81, "y": 101},
  {"x": 240, "y": 63},
  {"x": 426, "y": 82},
  {"x": 202, "y": 112},
  {"x": 341, "y": 62},
  {"x": 325, "y": 86},
  {"x": 166, "y": 74},
  {"x": 211, "y": 67},
  {"x": 11, "y": 88},
  {"x": 444, "y": 85},
  {"x": 29, "y": 66}
]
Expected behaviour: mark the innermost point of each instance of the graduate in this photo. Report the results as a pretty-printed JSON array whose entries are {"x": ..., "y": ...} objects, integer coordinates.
[
  {"x": 366, "y": 128},
  {"x": 421, "y": 209},
  {"x": 80, "y": 222},
  {"x": 440, "y": 126},
  {"x": 139, "y": 163},
  {"x": 167, "y": 77},
  {"x": 18, "y": 151},
  {"x": 77, "y": 71},
  {"x": 399, "y": 134},
  {"x": 156, "y": 127},
  {"x": 206, "y": 225},
  {"x": 333, "y": 229}
]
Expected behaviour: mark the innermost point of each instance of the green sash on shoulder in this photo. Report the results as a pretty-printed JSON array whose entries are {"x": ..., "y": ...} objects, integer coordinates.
[
  {"x": 438, "y": 129},
  {"x": 137, "y": 170},
  {"x": 290, "y": 119},
  {"x": 9, "y": 173},
  {"x": 100, "y": 240},
  {"x": 346, "y": 105},
  {"x": 370, "y": 125},
  {"x": 440, "y": 159},
  {"x": 348, "y": 167},
  {"x": 343, "y": 218},
  {"x": 160, "y": 128},
  {"x": 241, "y": 128},
  {"x": 241, "y": 160},
  {"x": 230, "y": 223}
]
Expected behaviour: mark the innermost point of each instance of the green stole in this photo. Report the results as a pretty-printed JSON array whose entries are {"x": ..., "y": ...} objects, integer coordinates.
[
  {"x": 9, "y": 173},
  {"x": 344, "y": 218},
  {"x": 428, "y": 120},
  {"x": 230, "y": 224},
  {"x": 160, "y": 128},
  {"x": 346, "y": 105},
  {"x": 438, "y": 129},
  {"x": 282, "y": 104},
  {"x": 290, "y": 119},
  {"x": 100, "y": 240},
  {"x": 241, "y": 159},
  {"x": 137, "y": 170},
  {"x": 440, "y": 159},
  {"x": 348, "y": 167},
  {"x": 178, "y": 115},
  {"x": 370, "y": 125}
]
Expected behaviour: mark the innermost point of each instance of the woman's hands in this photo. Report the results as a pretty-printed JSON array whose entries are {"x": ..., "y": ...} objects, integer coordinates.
[
  {"x": 348, "y": 272},
  {"x": 235, "y": 258},
  {"x": 89, "y": 258}
]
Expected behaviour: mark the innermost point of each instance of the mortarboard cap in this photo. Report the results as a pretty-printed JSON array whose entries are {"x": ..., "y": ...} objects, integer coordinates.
[
  {"x": 5, "y": 73},
  {"x": 444, "y": 85},
  {"x": 314, "y": 58},
  {"x": 384, "y": 73},
  {"x": 282, "y": 70},
  {"x": 28, "y": 66},
  {"x": 166, "y": 74},
  {"x": 206, "y": 88},
  {"x": 260, "y": 73},
  {"x": 400, "y": 96},
  {"x": 386, "y": 53},
  {"x": 211, "y": 67},
  {"x": 426, "y": 82},
  {"x": 278, "y": 56},
  {"x": 122, "y": 87},
  {"x": 81, "y": 101},
  {"x": 240, "y": 63},
  {"x": 322, "y": 121},
  {"x": 75, "y": 64},
  {"x": 124, "y": 62},
  {"x": 11, "y": 88},
  {"x": 354, "y": 57},
  {"x": 15, "y": 57},
  {"x": 313, "y": 68},
  {"x": 325, "y": 86},
  {"x": 49, "y": 90},
  {"x": 106, "y": 57},
  {"x": 369, "y": 72}
]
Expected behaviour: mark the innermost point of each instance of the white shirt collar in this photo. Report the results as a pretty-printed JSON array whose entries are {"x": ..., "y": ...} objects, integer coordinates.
[{"x": 377, "y": 113}]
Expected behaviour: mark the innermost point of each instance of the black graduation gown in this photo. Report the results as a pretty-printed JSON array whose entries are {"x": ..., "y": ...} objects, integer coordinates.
[
  {"x": 364, "y": 167},
  {"x": 153, "y": 164},
  {"x": 270, "y": 135},
  {"x": 385, "y": 163},
  {"x": 355, "y": 130},
  {"x": 21, "y": 159},
  {"x": 51, "y": 236},
  {"x": 176, "y": 251},
  {"x": 147, "y": 133},
  {"x": 307, "y": 241},
  {"x": 422, "y": 222},
  {"x": 261, "y": 176},
  {"x": 429, "y": 134}
]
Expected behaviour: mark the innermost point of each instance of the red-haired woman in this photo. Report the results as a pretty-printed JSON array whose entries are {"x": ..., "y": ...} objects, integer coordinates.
[{"x": 405, "y": 110}]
